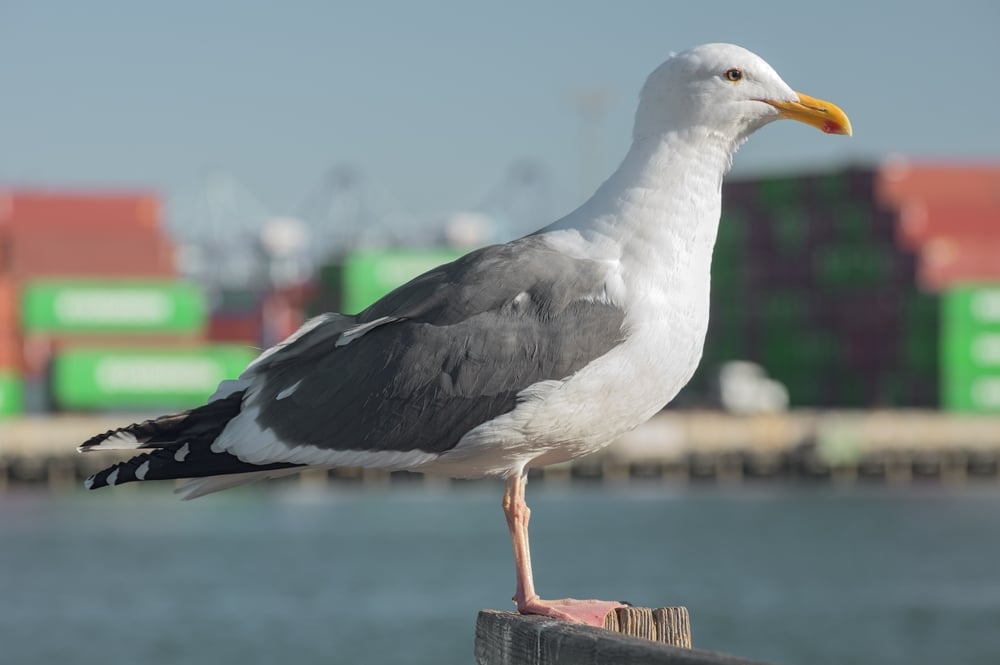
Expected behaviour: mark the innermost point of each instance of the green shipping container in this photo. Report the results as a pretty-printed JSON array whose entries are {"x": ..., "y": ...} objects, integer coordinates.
[
  {"x": 971, "y": 308},
  {"x": 967, "y": 351},
  {"x": 112, "y": 307},
  {"x": 778, "y": 191},
  {"x": 369, "y": 275},
  {"x": 847, "y": 266},
  {"x": 974, "y": 392},
  {"x": 143, "y": 378},
  {"x": 11, "y": 395},
  {"x": 970, "y": 349}
]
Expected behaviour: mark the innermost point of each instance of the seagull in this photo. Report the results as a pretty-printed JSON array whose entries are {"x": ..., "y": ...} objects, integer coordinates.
[{"x": 517, "y": 355}]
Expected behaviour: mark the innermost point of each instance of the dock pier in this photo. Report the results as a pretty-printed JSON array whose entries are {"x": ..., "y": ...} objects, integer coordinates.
[{"x": 897, "y": 446}]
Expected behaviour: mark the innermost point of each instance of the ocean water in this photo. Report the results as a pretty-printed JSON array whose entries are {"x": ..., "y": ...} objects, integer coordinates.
[{"x": 808, "y": 575}]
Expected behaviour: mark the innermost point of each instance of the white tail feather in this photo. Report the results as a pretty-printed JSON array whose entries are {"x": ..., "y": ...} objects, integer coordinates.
[{"x": 118, "y": 441}]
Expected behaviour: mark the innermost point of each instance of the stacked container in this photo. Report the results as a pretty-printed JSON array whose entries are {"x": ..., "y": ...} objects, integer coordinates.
[
  {"x": 809, "y": 281},
  {"x": 950, "y": 216},
  {"x": 970, "y": 349},
  {"x": 11, "y": 382},
  {"x": 92, "y": 315},
  {"x": 48, "y": 234}
]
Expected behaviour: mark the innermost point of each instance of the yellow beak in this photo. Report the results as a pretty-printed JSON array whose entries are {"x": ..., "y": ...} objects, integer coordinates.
[{"x": 821, "y": 115}]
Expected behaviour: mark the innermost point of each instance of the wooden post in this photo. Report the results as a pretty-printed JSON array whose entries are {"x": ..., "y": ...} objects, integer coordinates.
[
  {"x": 670, "y": 625},
  {"x": 641, "y": 636}
]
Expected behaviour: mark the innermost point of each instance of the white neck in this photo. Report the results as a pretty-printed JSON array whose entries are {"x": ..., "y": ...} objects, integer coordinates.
[
  {"x": 661, "y": 207},
  {"x": 653, "y": 225}
]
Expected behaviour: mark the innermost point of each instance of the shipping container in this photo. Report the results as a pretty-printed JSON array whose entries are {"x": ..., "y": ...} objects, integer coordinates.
[
  {"x": 901, "y": 183},
  {"x": 948, "y": 262},
  {"x": 781, "y": 191},
  {"x": 854, "y": 266},
  {"x": 970, "y": 348},
  {"x": 811, "y": 281},
  {"x": 40, "y": 349},
  {"x": 11, "y": 351},
  {"x": 122, "y": 340},
  {"x": 54, "y": 211},
  {"x": 65, "y": 307},
  {"x": 971, "y": 308},
  {"x": 922, "y": 222},
  {"x": 236, "y": 302},
  {"x": 921, "y": 334},
  {"x": 78, "y": 252},
  {"x": 236, "y": 328},
  {"x": 11, "y": 394},
  {"x": 973, "y": 392},
  {"x": 8, "y": 304},
  {"x": 369, "y": 275},
  {"x": 109, "y": 379},
  {"x": 966, "y": 351}
]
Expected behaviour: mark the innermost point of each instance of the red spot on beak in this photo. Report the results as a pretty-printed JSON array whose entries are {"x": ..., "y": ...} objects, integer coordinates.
[{"x": 831, "y": 127}]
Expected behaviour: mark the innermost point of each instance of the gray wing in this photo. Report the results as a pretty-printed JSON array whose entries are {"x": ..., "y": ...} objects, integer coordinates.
[{"x": 442, "y": 354}]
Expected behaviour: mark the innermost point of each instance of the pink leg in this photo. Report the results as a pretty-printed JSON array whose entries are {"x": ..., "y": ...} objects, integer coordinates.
[{"x": 516, "y": 511}]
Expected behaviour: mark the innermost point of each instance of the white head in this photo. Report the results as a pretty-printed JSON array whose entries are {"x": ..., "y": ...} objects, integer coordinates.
[{"x": 726, "y": 90}]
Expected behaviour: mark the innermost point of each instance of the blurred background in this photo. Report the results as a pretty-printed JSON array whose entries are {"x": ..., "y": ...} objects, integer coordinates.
[{"x": 183, "y": 184}]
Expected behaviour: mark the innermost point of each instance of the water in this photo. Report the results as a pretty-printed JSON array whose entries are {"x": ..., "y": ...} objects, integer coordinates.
[{"x": 808, "y": 575}]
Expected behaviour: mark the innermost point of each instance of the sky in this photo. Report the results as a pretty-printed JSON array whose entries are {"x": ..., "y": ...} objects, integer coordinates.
[{"x": 435, "y": 100}]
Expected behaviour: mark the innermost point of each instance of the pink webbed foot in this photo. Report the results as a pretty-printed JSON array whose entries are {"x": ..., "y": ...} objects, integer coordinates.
[{"x": 590, "y": 612}]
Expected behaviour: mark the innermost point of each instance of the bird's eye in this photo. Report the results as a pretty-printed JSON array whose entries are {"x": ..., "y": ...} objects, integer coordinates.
[{"x": 733, "y": 75}]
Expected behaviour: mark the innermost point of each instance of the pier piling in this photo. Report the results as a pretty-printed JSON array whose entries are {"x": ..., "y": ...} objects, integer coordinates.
[{"x": 632, "y": 636}]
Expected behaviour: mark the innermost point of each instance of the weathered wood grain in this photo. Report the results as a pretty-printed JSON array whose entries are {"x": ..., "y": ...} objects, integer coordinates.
[{"x": 506, "y": 638}]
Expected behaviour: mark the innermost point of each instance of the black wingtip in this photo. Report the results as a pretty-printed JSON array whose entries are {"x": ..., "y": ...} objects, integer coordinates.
[
  {"x": 118, "y": 474},
  {"x": 162, "y": 464}
]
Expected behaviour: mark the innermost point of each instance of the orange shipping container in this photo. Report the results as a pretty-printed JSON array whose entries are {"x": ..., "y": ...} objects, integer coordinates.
[
  {"x": 80, "y": 252},
  {"x": 8, "y": 305},
  {"x": 921, "y": 222},
  {"x": 11, "y": 352},
  {"x": 947, "y": 262},
  {"x": 53, "y": 210},
  {"x": 899, "y": 183}
]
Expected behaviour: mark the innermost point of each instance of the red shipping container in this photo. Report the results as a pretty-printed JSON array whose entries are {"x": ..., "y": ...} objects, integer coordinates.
[
  {"x": 898, "y": 183},
  {"x": 235, "y": 329},
  {"x": 79, "y": 252},
  {"x": 53, "y": 210},
  {"x": 9, "y": 310},
  {"x": 921, "y": 222},
  {"x": 946, "y": 262},
  {"x": 11, "y": 351},
  {"x": 38, "y": 350}
]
